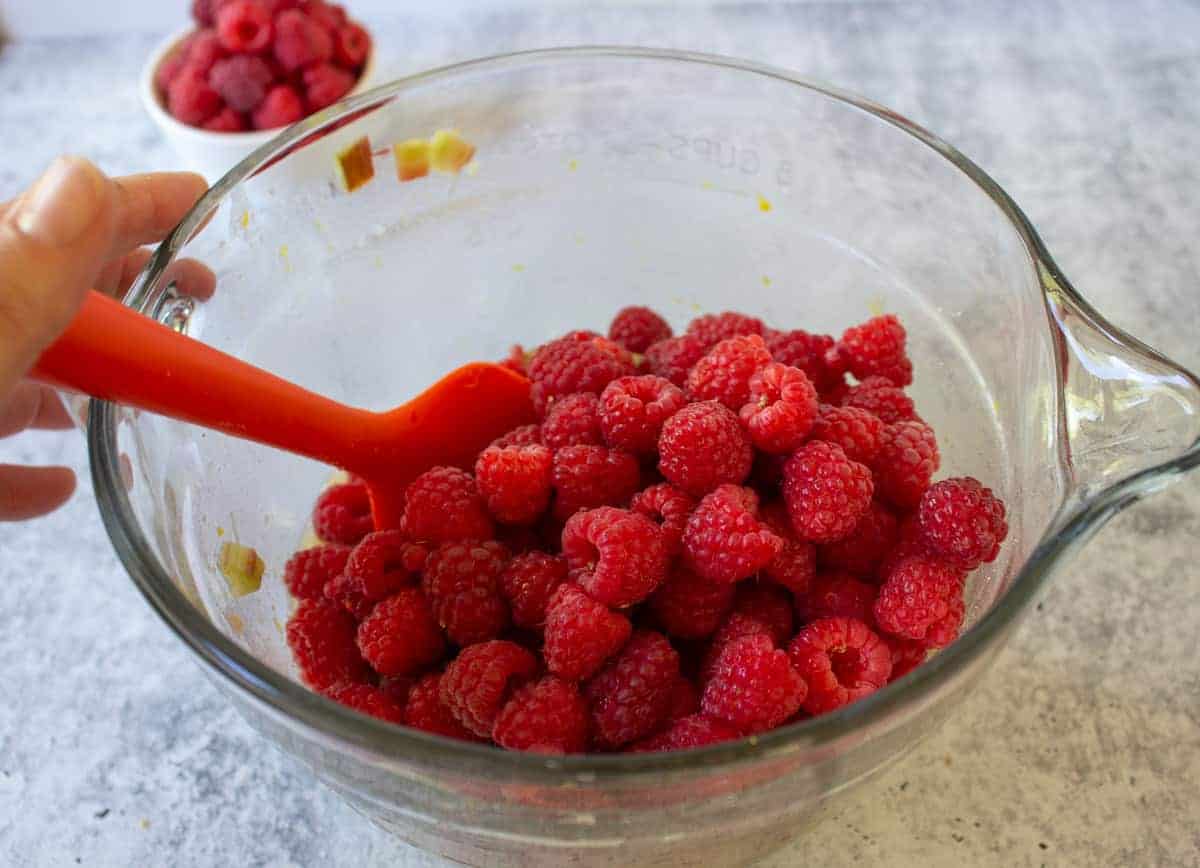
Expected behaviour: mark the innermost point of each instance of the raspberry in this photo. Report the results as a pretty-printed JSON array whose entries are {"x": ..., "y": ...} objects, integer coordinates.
[
  {"x": 476, "y": 684},
  {"x": 670, "y": 508},
  {"x": 325, "y": 84},
  {"x": 573, "y": 420},
  {"x": 753, "y": 685},
  {"x": 859, "y": 432},
  {"x": 697, "y": 730},
  {"x": 685, "y": 700},
  {"x": 400, "y": 635},
  {"x": 579, "y": 362},
  {"x": 908, "y": 543},
  {"x": 837, "y": 595},
  {"x": 462, "y": 581},
  {"x": 826, "y": 492},
  {"x": 383, "y": 563},
  {"x": 712, "y": 328},
  {"x": 226, "y": 121},
  {"x": 878, "y": 396},
  {"x": 169, "y": 69},
  {"x": 203, "y": 50},
  {"x": 515, "y": 482},
  {"x": 397, "y": 687},
  {"x": 899, "y": 374},
  {"x": 917, "y": 598},
  {"x": 522, "y": 435},
  {"x": 307, "y": 571},
  {"x": 528, "y": 582},
  {"x": 342, "y": 590},
  {"x": 703, "y": 446},
  {"x": 589, "y": 476},
  {"x": 962, "y": 521},
  {"x": 781, "y": 409},
  {"x": 321, "y": 636},
  {"x": 631, "y": 695},
  {"x": 615, "y": 555},
  {"x": 725, "y": 371},
  {"x": 908, "y": 458},
  {"x": 796, "y": 564},
  {"x": 351, "y": 46},
  {"x": 244, "y": 26},
  {"x": 805, "y": 351},
  {"x": 425, "y": 711},
  {"x": 368, "y": 700},
  {"x": 633, "y": 410},
  {"x": 636, "y": 328},
  {"x": 190, "y": 98},
  {"x": 866, "y": 546},
  {"x": 874, "y": 347},
  {"x": 329, "y": 16},
  {"x": 546, "y": 716},
  {"x": 759, "y": 609},
  {"x": 673, "y": 358},
  {"x": 907, "y": 655},
  {"x": 443, "y": 504},
  {"x": 342, "y": 514},
  {"x": 689, "y": 606},
  {"x": 300, "y": 41},
  {"x": 280, "y": 107},
  {"x": 836, "y": 393},
  {"x": 204, "y": 12},
  {"x": 581, "y": 633},
  {"x": 724, "y": 541},
  {"x": 841, "y": 660}
]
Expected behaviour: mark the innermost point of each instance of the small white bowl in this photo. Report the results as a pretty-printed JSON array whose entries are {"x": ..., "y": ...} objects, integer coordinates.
[{"x": 211, "y": 154}]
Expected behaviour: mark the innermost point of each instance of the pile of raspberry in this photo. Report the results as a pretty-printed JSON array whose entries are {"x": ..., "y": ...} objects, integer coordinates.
[
  {"x": 706, "y": 536},
  {"x": 261, "y": 64}
]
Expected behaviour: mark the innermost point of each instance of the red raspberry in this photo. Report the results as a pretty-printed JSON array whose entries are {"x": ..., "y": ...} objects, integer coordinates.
[
  {"x": 837, "y": 595},
  {"x": 400, "y": 635},
  {"x": 443, "y": 504},
  {"x": 757, "y": 609},
  {"x": 875, "y": 347},
  {"x": 204, "y": 12},
  {"x": 581, "y": 633},
  {"x": 307, "y": 571},
  {"x": 321, "y": 636},
  {"x": 398, "y": 688},
  {"x": 476, "y": 684},
  {"x": 631, "y": 696},
  {"x": 203, "y": 50},
  {"x": 670, "y": 508},
  {"x": 878, "y": 396},
  {"x": 636, "y": 328},
  {"x": 383, "y": 563},
  {"x": 673, "y": 358},
  {"x": 325, "y": 84},
  {"x": 515, "y": 482},
  {"x": 685, "y": 700},
  {"x": 725, "y": 371},
  {"x": 908, "y": 543},
  {"x": 528, "y": 582},
  {"x": 546, "y": 716},
  {"x": 342, "y": 514},
  {"x": 226, "y": 121},
  {"x": 615, "y": 555},
  {"x": 341, "y": 590},
  {"x": 351, "y": 46},
  {"x": 962, "y": 521},
  {"x": 367, "y": 699},
  {"x": 703, "y": 446},
  {"x": 633, "y": 410},
  {"x": 946, "y": 630},
  {"x": 190, "y": 99},
  {"x": 908, "y": 458},
  {"x": 866, "y": 546},
  {"x": 280, "y": 107},
  {"x": 826, "y": 492},
  {"x": 300, "y": 41},
  {"x": 573, "y": 420},
  {"x": 841, "y": 660},
  {"x": 579, "y": 362},
  {"x": 805, "y": 351},
  {"x": 330, "y": 16},
  {"x": 796, "y": 564},
  {"x": 522, "y": 435},
  {"x": 907, "y": 655},
  {"x": 712, "y": 328},
  {"x": 425, "y": 711},
  {"x": 859, "y": 432},
  {"x": 724, "y": 541},
  {"x": 917, "y": 598},
  {"x": 781, "y": 409},
  {"x": 836, "y": 393},
  {"x": 244, "y": 26},
  {"x": 462, "y": 581},
  {"x": 589, "y": 476},
  {"x": 697, "y": 730},
  {"x": 689, "y": 606},
  {"x": 753, "y": 685},
  {"x": 169, "y": 69}
]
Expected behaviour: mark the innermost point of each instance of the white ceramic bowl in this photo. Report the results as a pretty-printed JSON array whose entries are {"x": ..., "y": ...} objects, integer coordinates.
[{"x": 209, "y": 153}]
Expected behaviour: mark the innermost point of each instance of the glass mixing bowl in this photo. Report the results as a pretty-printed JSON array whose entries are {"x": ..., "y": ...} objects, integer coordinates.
[{"x": 606, "y": 177}]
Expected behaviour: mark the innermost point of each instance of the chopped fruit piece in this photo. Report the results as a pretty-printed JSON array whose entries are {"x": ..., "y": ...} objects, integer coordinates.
[
  {"x": 242, "y": 568},
  {"x": 449, "y": 152},
  {"x": 355, "y": 165},
  {"x": 412, "y": 159}
]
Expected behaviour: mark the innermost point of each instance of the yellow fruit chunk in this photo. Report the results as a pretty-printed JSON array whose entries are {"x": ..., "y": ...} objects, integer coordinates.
[
  {"x": 242, "y": 568},
  {"x": 412, "y": 159},
  {"x": 448, "y": 152},
  {"x": 355, "y": 165}
]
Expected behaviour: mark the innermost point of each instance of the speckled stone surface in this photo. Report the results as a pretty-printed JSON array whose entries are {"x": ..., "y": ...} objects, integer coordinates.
[{"x": 1083, "y": 745}]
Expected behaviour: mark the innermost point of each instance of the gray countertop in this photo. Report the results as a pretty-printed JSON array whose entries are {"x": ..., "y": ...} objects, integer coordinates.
[{"x": 1082, "y": 747}]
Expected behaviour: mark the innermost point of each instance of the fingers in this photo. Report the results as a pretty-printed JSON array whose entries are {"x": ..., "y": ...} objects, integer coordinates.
[
  {"x": 149, "y": 206},
  {"x": 27, "y": 492},
  {"x": 118, "y": 275},
  {"x": 33, "y": 405}
]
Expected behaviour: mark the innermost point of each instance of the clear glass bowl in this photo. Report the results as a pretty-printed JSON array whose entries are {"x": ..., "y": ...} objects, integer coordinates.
[{"x": 606, "y": 177}]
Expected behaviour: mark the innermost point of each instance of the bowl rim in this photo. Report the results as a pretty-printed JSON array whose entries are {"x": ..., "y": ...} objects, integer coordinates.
[{"x": 1073, "y": 523}]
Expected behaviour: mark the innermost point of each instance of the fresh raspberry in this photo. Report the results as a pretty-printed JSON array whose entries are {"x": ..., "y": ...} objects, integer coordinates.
[
  {"x": 631, "y": 695},
  {"x": 589, "y": 476},
  {"x": 321, "y": 636},
  {"x": 325, "y": 84},
  {"x": 368, "y": 700},
  {"x": 781, "y": 409},
  {"x": 476, "y": 684},
  {"x": 945, "y": 631},
  {"x": 878, "y": 396},
  {"x": 796, "y": 564},
  {"x": 462, "y": 581},
  {"x": 300, "y": 41},
  {"x": 670, "y": 508},
  {"x": 917, "y": 600},
  {"x": 636, "y": 328},
  {"x": 342, "y": 514},
  {"x": 909, "y": 542},
  {"x": 962, "y": 521},
  {"x": 633, "y": 410},
  {"x": 874, "y": 347},
  {"x": 859, "y": 432},
  {"x": 703, "y": 446},
  {"x": 515, "y": 482},
  {"x": 697, "y": 730},
  {"x": 528, "y": 582},
  {"x": 753, "y": 685},
  {"x": 756, "y": 609},
  {"x": 841, "y": 660},
  {"x": 307, "y": 571},
  {"x": 724, "y": 541},
  {"x": 805, "y": 351},
  {"x": 400, "y": 635},
  {"x": 522, "y": 435},
  {"x": 673, "y": 358},
  {"x": 204, "y": 12},
  {"x": 907, "y": 655},
  {"x": 836, "y": 393},
  {"x": 837, "y": 595},
  {"x": 280, "y": 107},
  {"x": 899, "y": 374},
  {"x": 169, "y": 69},
  {"x": 398, "y": 688},
  {"x": 330, "y": 16},
  {"x": 725, "y": 371},
  {"x": 351, "y": 46},
  {"x": 908, "y": 457},
  {"x": 226, "y": 121},
  {"x": 244, "y": 26},
  {"x": 546, "y": 716},
  {"x": 425, "y": 711},
  {"x": 579, "y": 362},
  {"x": 685, "y": 700},
  {"x": 190, "y": 99},
  {"x": 581, "y": 633},
  {"x": 443, "y": 504},
  {"x": 712, "y": 328},
  {"x": 826, "y": 492},
  {"x": 573, "y": 420},
  {"x": 866, "y": 546},
  {"x": 615, "y": 555},
  {"x": 383, "y": 563},
  {"x": 204, "y": 49},
  {"x": 689, "y": 606},
  {"x": 343, "y": 590}
]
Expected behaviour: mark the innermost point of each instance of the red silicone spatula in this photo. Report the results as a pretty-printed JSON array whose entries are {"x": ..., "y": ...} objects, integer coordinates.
[{"x": 114, "y": 353}]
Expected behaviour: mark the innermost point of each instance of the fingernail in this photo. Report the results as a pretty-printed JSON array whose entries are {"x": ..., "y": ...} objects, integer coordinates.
[{"x": 62, "y": 203}]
